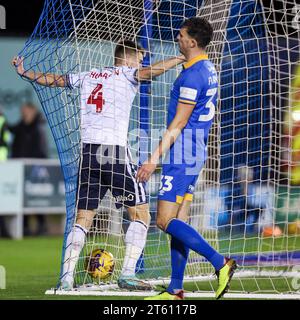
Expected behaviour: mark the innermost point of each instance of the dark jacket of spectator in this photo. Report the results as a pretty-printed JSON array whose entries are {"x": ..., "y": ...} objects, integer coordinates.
[{"x": 29, "y": 135}]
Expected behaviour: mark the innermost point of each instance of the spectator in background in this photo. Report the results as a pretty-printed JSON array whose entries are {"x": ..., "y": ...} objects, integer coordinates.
[
  {"x": 4, "y": 137},
  {"x": 30, "y": 142},
  {"x": 29, "y": 136}
]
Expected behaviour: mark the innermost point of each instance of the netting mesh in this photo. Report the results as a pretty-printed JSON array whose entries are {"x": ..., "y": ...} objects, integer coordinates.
[{"x": 245, "y": 200}]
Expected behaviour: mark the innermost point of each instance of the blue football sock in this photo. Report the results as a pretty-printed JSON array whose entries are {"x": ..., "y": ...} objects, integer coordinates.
[
  {"x": 193, "y": 240},
  {"x": 179, "y": 256}
]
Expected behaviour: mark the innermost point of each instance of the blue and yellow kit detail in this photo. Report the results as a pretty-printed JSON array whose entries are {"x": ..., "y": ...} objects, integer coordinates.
[{"x": 197, "y": 87}]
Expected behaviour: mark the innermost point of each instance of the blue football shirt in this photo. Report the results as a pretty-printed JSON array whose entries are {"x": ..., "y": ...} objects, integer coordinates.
[{"x": 197, "y": 85}]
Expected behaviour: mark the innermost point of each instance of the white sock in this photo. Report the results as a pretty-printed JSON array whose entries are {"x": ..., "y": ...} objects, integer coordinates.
[
  {"x": 135, "y": 240},
  {"x": 74, "y": 245}
]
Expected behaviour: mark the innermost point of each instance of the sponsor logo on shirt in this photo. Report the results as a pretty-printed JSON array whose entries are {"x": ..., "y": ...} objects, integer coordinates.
[{"x": 188, "y": 93}]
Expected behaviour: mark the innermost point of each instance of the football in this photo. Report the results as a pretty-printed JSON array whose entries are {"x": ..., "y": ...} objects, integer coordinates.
[{"x": 100, "y": 264}]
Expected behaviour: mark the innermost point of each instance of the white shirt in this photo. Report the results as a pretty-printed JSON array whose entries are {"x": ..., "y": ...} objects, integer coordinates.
[{"x": 106, "y": 98}]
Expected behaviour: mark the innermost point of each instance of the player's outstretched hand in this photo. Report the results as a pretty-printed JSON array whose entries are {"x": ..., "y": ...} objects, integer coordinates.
[
  {"x": 145, "y": 171},
  {"x": 181, "y": 58},
  {"x": 18, "y": 63}
]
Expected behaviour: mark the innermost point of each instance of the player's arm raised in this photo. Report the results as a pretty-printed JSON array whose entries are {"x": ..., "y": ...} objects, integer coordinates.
[
  {"x": 158, "y": 68},
  {"x": 44, "y": 79},
  {"x": 180, "y": 120}
]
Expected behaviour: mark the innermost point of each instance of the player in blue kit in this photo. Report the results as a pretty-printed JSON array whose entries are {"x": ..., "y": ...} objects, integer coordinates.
[{"x": 190, "y": 115}]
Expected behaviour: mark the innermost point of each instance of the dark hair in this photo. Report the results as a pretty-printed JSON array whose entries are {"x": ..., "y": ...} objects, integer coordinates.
[
  {"x": 200, "y": 30},
  {"x": 126, "y": 47},
  {"x": 29, "y": 104}
]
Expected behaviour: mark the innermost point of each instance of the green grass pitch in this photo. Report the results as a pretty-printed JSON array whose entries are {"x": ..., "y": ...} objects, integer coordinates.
[{"x": 32, "y": 267}]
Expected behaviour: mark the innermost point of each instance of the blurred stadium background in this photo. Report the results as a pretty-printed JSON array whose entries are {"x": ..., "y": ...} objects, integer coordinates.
[{"x": 32, "y": 194}]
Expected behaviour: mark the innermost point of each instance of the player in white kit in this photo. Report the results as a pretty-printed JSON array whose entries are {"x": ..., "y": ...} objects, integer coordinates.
[{"x": 106, "y": 99}]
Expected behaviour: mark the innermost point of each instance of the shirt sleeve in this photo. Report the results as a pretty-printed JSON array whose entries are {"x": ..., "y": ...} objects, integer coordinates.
[
  {"x": 190, "y": 89},
  {"x": 75, "y": 80},
  {"x": 130, "y": 74}
]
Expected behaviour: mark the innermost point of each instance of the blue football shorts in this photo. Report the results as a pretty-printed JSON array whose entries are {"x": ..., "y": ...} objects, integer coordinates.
[{"x": 175, "y": 185}]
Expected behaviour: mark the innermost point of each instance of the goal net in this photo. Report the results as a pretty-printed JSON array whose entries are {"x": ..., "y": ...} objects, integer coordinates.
[{"x": 246, "y": 199}]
